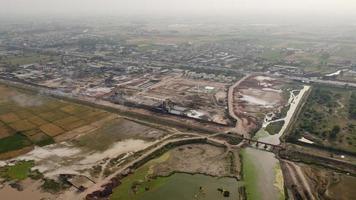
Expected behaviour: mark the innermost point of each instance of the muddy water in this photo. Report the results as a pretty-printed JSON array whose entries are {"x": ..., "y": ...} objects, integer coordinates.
[{"x": 261, "y": 174}]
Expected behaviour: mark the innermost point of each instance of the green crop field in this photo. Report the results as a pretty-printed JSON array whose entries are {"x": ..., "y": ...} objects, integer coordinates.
[{"x": 29, "y": 119}]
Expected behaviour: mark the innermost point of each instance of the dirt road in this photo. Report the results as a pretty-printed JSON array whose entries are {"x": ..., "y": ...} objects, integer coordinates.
[
  {"x": 231, "y": 104},
  {"x": 298, "y": 178}
]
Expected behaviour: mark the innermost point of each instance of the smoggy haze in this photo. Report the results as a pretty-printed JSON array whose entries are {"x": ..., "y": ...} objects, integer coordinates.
[{"x": 321, "y": 7}]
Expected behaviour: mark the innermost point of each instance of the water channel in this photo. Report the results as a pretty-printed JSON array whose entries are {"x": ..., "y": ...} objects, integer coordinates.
[{"x": 262, "y": 174}]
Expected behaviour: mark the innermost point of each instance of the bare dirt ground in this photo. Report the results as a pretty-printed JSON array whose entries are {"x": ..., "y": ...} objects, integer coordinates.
[
  {"x": 314, "y": 182},
  {"x": 200, "y": 158},
  {"x": 30, "y": 191},
  {"x": 208, "y": 97},
  {"x": 254, "y": 98}
]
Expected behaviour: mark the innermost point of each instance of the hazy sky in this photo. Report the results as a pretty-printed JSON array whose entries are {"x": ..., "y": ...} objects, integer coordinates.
[{"x": 326, "y": 7}]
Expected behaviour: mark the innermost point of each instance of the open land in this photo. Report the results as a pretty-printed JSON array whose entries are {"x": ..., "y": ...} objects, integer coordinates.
[
  {"x": 83, "y": 142},
  {"x": 318, "y": 182},
  {"x": 258, "y": 99}
]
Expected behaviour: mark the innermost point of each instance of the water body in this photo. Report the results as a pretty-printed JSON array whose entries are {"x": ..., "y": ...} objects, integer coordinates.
[
  {"x": 262, "y": 174},
  {"x": 182, "y": 186}
]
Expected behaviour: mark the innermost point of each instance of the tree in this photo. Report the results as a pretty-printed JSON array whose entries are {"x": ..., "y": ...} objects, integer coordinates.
[{"x": 336, "y": 129}]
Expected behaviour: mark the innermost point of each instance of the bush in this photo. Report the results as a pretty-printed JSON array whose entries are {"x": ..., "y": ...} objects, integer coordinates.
[
  {"x": 53, "y": 186},
  {"x": 336, "y": 129}
]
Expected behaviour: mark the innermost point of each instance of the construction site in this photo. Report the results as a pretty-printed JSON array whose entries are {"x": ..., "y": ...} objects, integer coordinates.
[{"x": 175, "y": 94}]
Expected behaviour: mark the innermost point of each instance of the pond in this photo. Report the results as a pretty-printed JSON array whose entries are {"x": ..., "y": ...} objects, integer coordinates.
[{"x": 179, "y": 186}]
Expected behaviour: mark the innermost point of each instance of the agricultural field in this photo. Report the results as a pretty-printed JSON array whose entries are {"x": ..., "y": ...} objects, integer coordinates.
[
  {"x": 328, "y": 119},
  {"x": 60, "y": 137},
  {"x": 28, "y": 119}
]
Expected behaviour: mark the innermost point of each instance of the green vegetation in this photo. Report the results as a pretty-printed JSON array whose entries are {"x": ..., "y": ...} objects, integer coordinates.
[
  {"x": 20, "y": 171},
  {"x": 130, "y": 186},
  {"x": 14, "y": 142},
  {"x": 178, "y": 186},
  {"x": 139, "y": 181},
  {"x": 274, "y": 128},
  {"x": 231, "y": 159},
  {"x": 352, "y": 109},
  {"x": 143, "y": 184},
  {"x": 279, "y": 182},
  {"x": 53, "y": 186},
  {"x": 328, "y": 119},
  {"x": 35, "y": 175}
]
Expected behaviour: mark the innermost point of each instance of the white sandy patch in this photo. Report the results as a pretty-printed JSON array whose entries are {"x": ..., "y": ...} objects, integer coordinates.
[
  {"x": 303, "y": 139},
  {"x": 272, "y": 90},
  {"x": 195, "y": 114},
  {"x": 64, "y": 158},
  {"x": 130, "y": 145},
  {"x": 335, "y": 73},
  {"x": 264, "y": 78},
  {"x": 257, "y": 101}
]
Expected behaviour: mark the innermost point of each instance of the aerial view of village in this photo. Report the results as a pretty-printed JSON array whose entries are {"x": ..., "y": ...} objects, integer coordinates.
[{"x": 143, "y": 108}]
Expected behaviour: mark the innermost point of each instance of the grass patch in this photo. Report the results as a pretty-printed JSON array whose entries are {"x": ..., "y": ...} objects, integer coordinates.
[
  {"x": 279, "y": 182},
  {"x": 274, "y": 128},
  {"x": 136, "y": 183},
  {"x": 14, "y": 142},
  {"x": 20, "y": 171}
]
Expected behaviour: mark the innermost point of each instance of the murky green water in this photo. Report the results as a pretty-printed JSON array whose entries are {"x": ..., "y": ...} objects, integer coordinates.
[
  {"x": 181, "y": 186},
  {"x": 261, "y": 170},
  {"x": 260, "y": 175}
]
